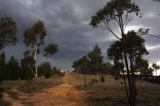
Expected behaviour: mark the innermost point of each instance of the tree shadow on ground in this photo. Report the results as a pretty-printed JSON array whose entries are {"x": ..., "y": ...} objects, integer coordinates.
[{"x": 4, "y": 103}]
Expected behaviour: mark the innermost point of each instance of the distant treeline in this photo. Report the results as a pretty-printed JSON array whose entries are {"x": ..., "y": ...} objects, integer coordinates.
[
  {"x": 93, "y": 63},
  {"x": 154, "y": 79},
  {"x": 15, "y": 70}
]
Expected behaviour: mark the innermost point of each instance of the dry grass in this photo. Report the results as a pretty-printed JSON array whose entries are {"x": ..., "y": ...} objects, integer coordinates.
[
  {"x": 69, "y": 91},
  {"x": 111, "y": 93},
  {"x": 35, "y": 85}
]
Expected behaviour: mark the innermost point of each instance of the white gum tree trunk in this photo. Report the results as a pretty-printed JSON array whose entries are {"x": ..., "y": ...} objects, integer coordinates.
[{"x": 35, "y": 57}]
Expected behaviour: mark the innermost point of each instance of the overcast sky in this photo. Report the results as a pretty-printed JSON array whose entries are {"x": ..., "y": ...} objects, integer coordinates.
[{"x": 67, "y": 24}]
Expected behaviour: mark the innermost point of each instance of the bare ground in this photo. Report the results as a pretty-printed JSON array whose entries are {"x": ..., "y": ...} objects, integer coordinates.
[
  {"x": 69, "y": 91},
  {"x": 63, "y": 94}
]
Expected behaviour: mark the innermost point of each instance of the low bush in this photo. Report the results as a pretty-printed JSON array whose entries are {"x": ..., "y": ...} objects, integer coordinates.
[{"x": 102, "y": 79}]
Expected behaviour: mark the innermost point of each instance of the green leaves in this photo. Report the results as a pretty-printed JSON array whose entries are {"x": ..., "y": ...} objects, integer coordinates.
[
  {"x": 135, "y": 44},
  {"x": 13, "y": 69},
  {"x": 44, "y": 69},
  {"x": 27, "y": 67},
  {"x": 8, "y": 31},
  {"x": 35, "y": 34},
  {"x": 34, "y": 37},
  {"x": 115, "y": 51},
  {"x": 113, "y": 10},
  {"x": 28, "y": 60},
  {"x": 82, "y": 63},
  {"x": 91, "y": 63},
  {"x": 134, "y": 47},
  {"x": 142, "y": 66},
  {"x": 95, "y": 55},
  {"x": 51, "y": 49}
]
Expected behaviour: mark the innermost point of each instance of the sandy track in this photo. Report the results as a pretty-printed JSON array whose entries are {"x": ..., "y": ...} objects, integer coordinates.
[{"x": 61, "y": 95}]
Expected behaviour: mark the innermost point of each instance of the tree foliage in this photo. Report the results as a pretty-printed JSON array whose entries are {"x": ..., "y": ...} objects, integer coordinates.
[
  {"x": 13, "y": 68},
  {"x": 95, "y": 55},
  {"x": 115, "y": 16},
  {"x": 27, "y": 67},
  {"x": 142, "y": 66},
  {"x": 35, "y": 34},
  {"x": 51, "y": 49},
  {"x": 93, "y": 61},
  {"x": 44, "y": 69},
  {"x": 8, "y": 31},
  {"x": 81, "y": 64}
]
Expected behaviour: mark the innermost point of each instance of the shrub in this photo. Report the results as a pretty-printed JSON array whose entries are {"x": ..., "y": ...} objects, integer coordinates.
[
  {"x": 47, "y": 74},
  {"x": 102, "y": 79}
]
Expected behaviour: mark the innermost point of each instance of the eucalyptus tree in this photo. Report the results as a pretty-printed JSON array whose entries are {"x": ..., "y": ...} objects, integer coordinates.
[
  {"x": 82, "y": 64},
  {"x": 8, "y": 31},
  {"x": 134, "y": 51},
  {"x": 75, "y": 65},
  {"x": 115, "y": 17},
  {"x": 96, "y": 59},
  {"x": 34, "y": 38}
]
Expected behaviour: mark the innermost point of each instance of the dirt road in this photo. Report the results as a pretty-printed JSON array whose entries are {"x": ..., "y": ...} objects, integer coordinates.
[
  {"x": 65, "y": 94},
  {"x": 68, "y": 90}
]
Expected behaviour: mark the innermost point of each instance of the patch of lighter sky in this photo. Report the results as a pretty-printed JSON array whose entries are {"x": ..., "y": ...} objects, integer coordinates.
[
  {"x": 152, "y": 47},
  {"x": 29, "y": 2},
  {"x": 133, "y": 27}
]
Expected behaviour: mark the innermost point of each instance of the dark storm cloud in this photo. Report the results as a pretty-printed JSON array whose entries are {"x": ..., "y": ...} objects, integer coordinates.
[
  {"x": 67, "y": 24},
  {"x": 157, "y": 0}
]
